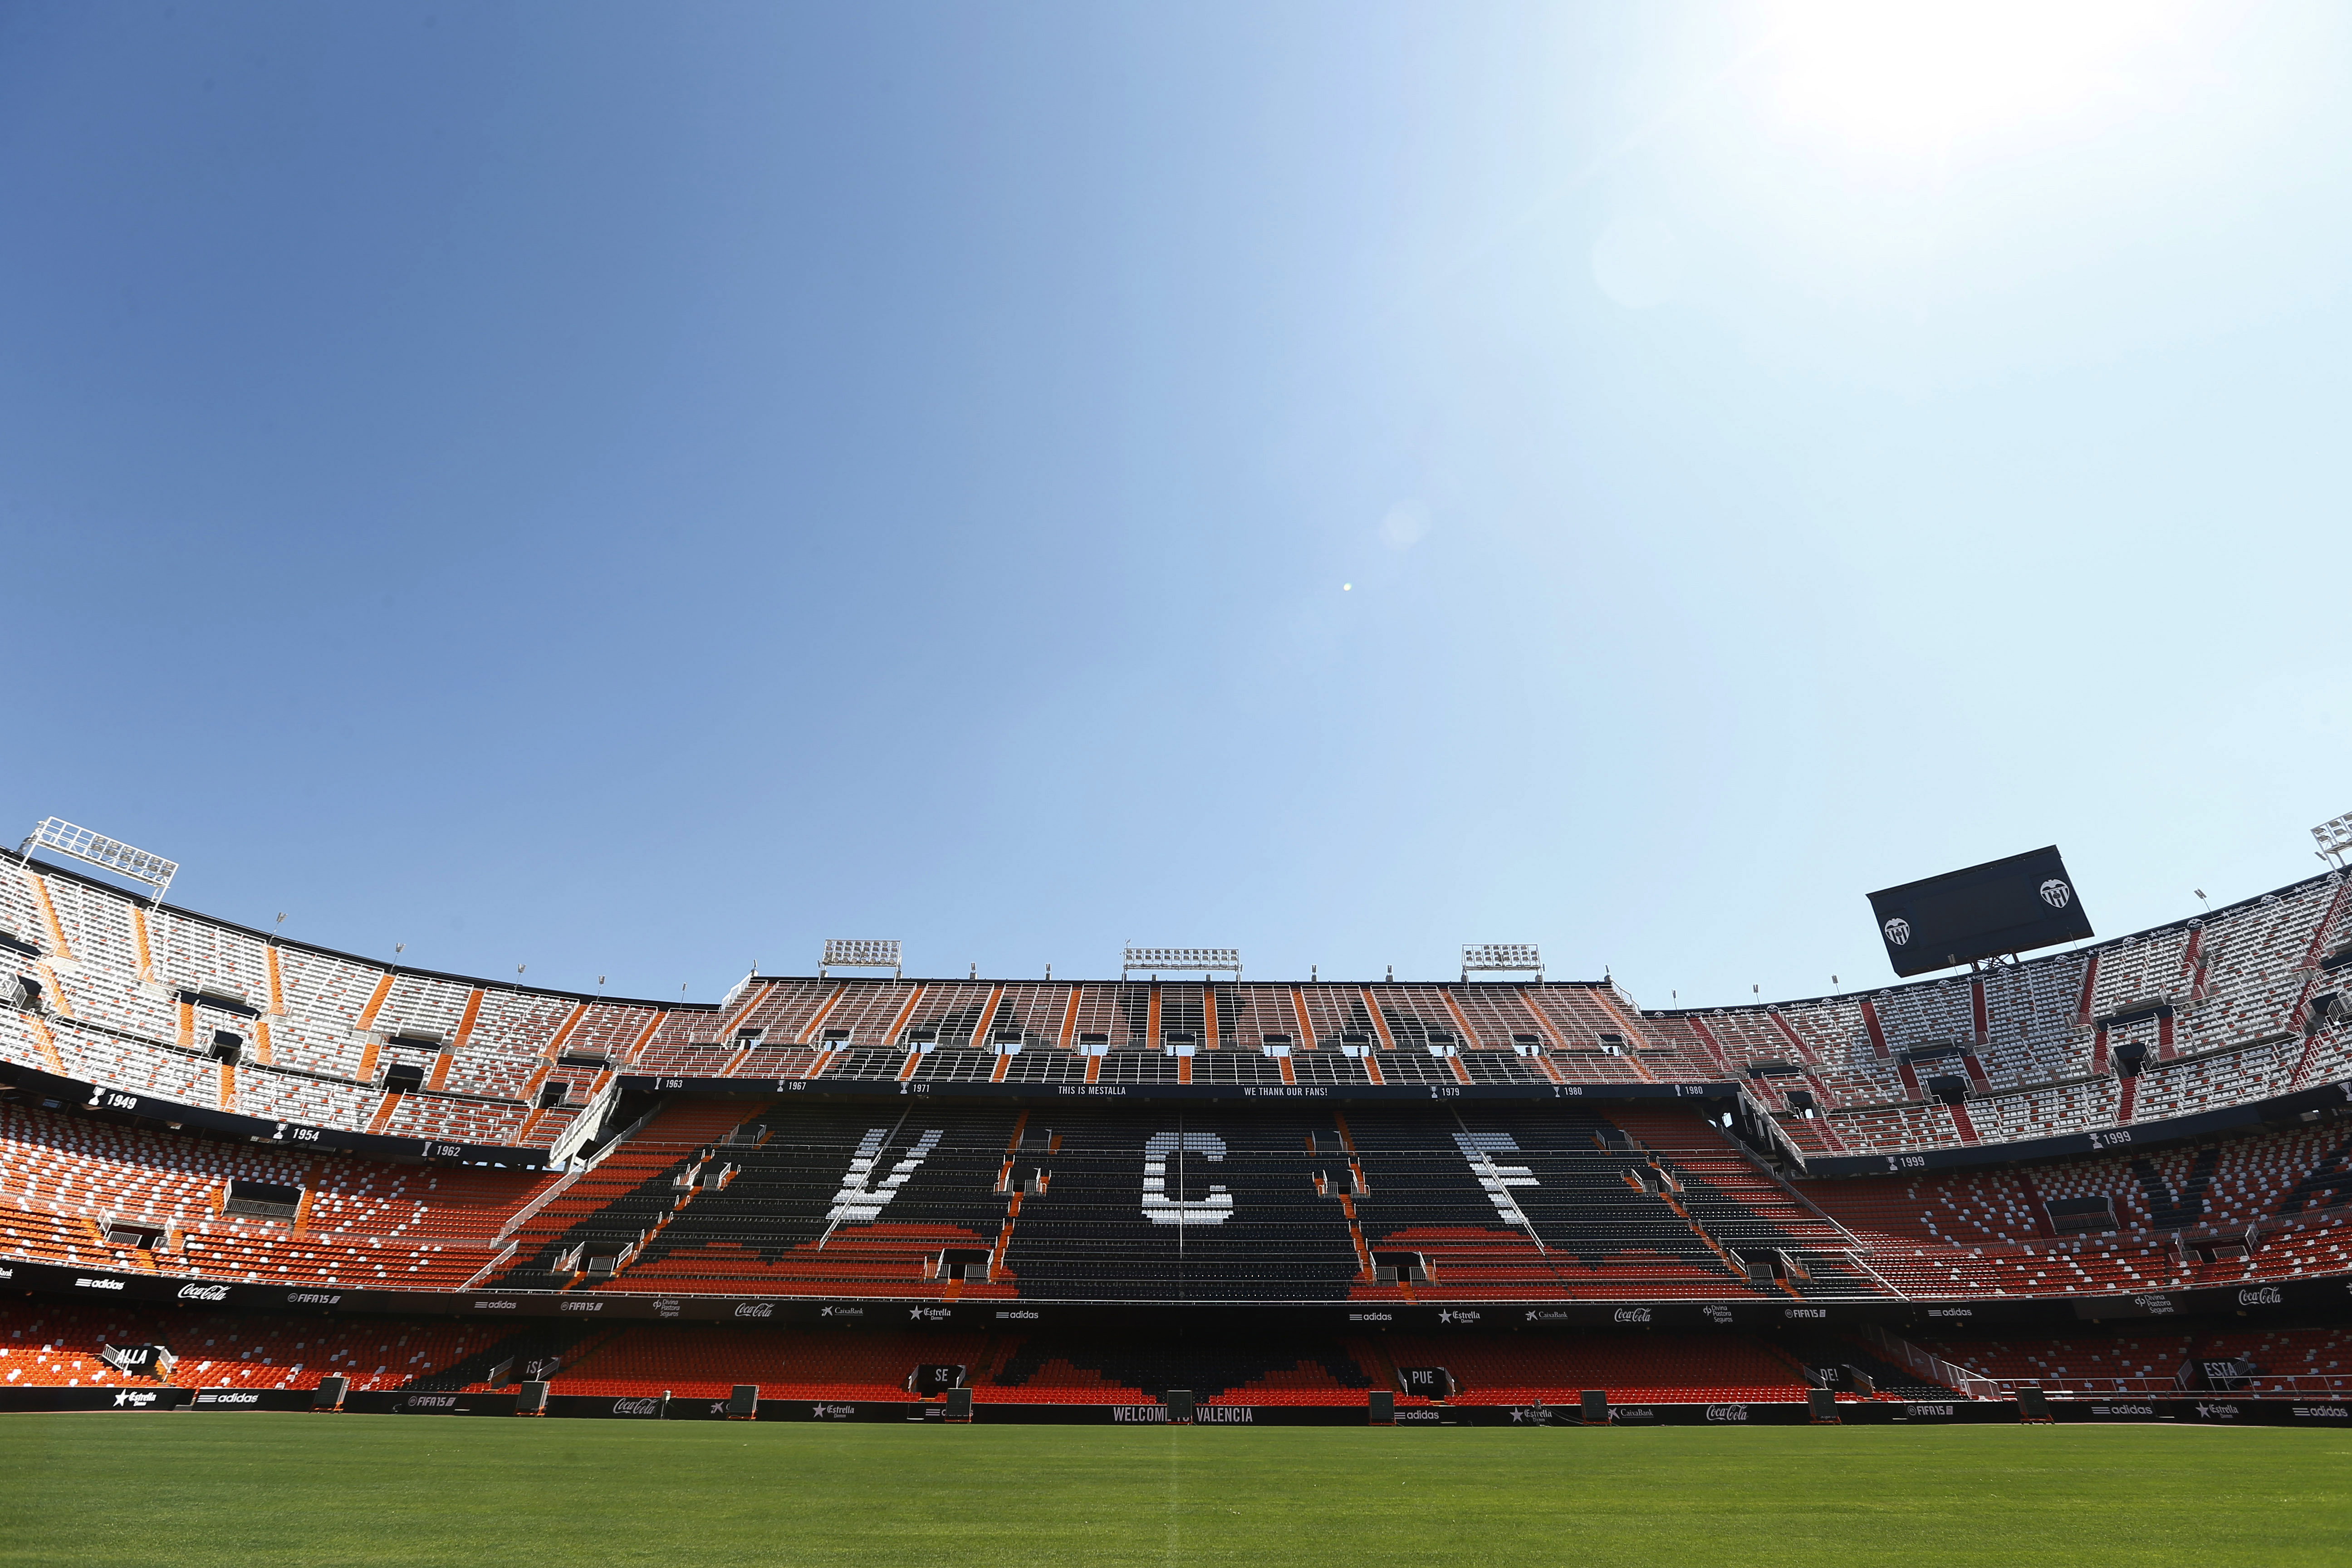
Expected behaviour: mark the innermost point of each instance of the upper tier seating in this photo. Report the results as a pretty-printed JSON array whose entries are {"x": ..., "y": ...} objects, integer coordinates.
[{"x": 134, "y": 998}]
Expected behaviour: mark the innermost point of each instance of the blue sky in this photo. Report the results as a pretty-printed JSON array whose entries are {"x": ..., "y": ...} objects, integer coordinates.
[{"x": 636, "y": 490}]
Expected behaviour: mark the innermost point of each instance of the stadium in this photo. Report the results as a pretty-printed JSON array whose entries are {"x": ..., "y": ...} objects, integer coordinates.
[
  {"x": 2106, "y": 1185},
  {"x": 767, "y": 764}
]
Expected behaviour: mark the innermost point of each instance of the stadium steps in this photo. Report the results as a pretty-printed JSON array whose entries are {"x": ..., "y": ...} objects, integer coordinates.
[{"x": 560, "y": 1340}]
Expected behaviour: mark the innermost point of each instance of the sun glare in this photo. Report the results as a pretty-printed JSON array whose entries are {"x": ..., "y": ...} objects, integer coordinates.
[{"x": 1902, "y": 76}]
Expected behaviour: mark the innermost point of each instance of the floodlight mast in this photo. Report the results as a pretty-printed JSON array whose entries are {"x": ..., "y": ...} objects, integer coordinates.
[
  {"x": 107, "y": 854},
  {"x": 859, "y": 952},
  {"x": 1210, "y": 960},
  {"x": 1516, "y": 957},
  {"x": 2334, "y": 838}
]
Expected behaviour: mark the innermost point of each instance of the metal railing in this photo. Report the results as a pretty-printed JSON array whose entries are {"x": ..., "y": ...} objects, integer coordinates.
[{"x": 2261, "y": 1386}]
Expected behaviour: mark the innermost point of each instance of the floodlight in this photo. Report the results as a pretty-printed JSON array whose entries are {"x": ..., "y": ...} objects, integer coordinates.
[
  {"x": 859, "y": 952},
  {"x": 2335, "y": 837},
  {"x": 1201, "y": 958},
  {"x": 108, "y": 854},
  {"x": 1515, "y": 956}
]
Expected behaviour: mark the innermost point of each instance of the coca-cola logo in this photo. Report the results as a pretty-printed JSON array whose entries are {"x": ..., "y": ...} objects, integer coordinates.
[
  {"x": 1632, "y": 1315},
  {"x": 755, "y": 1309},
  {"x": 203, "y": 1292},
  {"x": 2268, "y": 1295},
  {"x": 636, "y": 1407},
  {"x": 1727, "y": 1412}
]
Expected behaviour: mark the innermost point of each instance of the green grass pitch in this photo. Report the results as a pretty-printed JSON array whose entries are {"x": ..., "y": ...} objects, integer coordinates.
[{"x": 265, "y": 1490}]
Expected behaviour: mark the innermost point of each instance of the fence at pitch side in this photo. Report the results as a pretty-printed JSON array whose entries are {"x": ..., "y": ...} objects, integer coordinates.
[{"x": 2208, "y": 1412}]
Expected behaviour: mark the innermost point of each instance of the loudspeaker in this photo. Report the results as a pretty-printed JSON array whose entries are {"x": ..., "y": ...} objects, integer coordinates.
[
  {"x": 1179, "y": 1405},
  {"x": 1381, "y": 1407},
  {"x": 532, "y": 1400},
  {"x": 1594, "y": 1407},
  {"x": 2033, "y": 1405},
  {"x": 330, "y": 1393},
  {"x": 1823, "y": 1404},
  {"x": 744, "y": 1401},
  {"x": 958, "y": 1403}
]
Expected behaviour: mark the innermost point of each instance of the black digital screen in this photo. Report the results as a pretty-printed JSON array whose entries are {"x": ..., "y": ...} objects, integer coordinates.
[{"x": 2002, "y": 906}]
